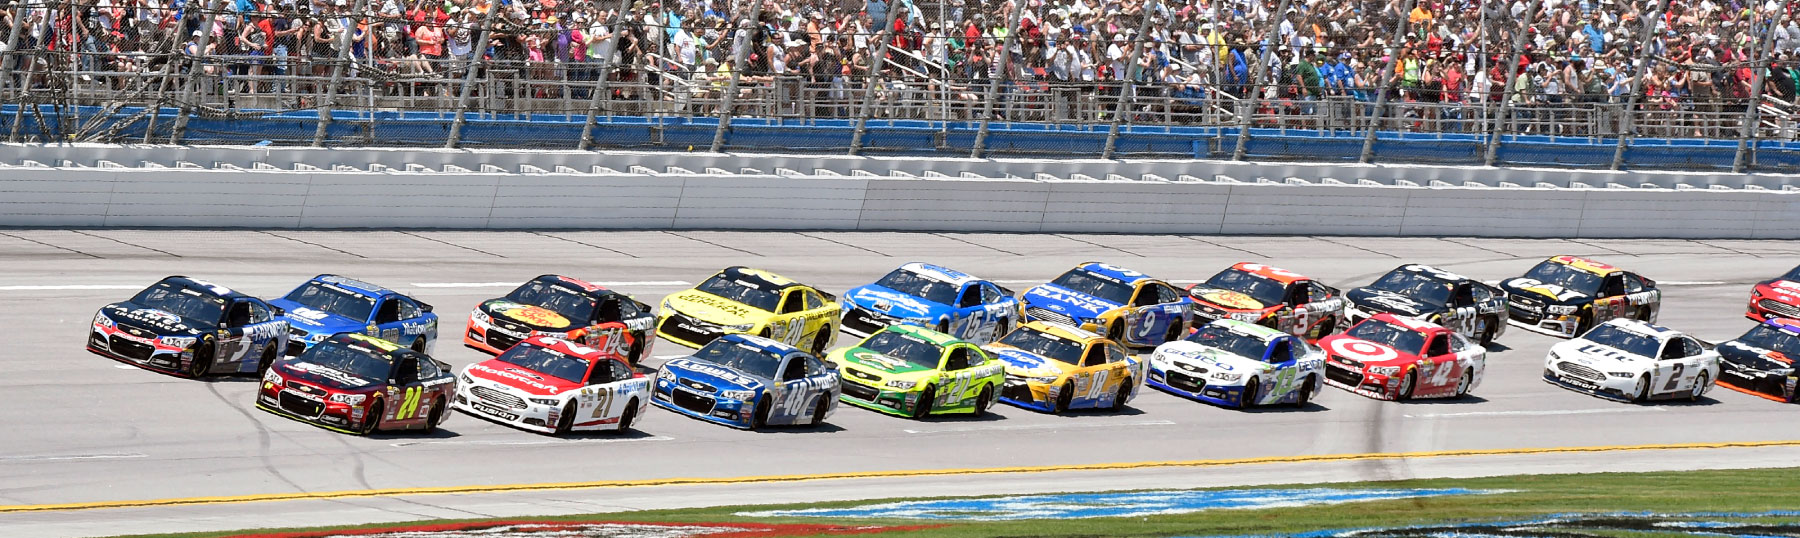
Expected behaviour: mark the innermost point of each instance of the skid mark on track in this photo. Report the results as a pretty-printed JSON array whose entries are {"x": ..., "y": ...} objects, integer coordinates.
[
  {"x": 436, "y": 240},
  {"x": 720, "y": 245},
  {"x": 1608, "y": 249},
  {"x": 1224, "y": 246},
  {"x": 125, "y": 243},
  {"x": 586, "y": 244},
  {"x": 857, "y": 247},
  {"x": 1724, "y": 248},
  {"x": 58, "y": 247},
  {"x": 1389, "y": 457},
  {"x": 1357, "y": 247},
  {"x": 1101, "y": 245},
  {"x": 305, "y": 242},
  {"x": 961, "y": 240},
  {"x": 1478, "y": 247}
]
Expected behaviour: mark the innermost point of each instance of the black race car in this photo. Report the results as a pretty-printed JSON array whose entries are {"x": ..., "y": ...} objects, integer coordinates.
[
  {"x": 562, "y": 307},
  {"x": 1462, "y": 304},
  {"x": 360, "y": 384},
  {"x": 190, "y": 328},
  {"x": 1565, "y": 296},
  {"x": 1761, "y": 362}
]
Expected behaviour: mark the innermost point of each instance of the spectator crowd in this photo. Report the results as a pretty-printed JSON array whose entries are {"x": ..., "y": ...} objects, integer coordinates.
[{"x": 1439, "y": 64}]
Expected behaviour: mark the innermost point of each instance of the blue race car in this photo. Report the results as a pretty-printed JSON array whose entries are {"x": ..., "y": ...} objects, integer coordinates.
[
  {"x": 748, "y": 382},
  {"x": 331, "y": 304},
  {"x": 948, "y": 301},
  {"x": 190, "y": 328},
  {"x": 1124, "y": 305}
]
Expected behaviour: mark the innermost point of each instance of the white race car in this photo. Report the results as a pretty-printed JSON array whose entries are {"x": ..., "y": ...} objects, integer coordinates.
[
  {"x": 1238, "y": 364},
  {"x": 1633, "y": 361},
  {"x": 553, "y": 386}
]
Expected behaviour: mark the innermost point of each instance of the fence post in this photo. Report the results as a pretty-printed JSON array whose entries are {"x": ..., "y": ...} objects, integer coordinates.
[
  {"x": 187, "y": 106},
  {"x": 1270, "y": 41},
  {"x": 337, "y": 75},
  {"x": 1512, "y": 78},
  {"x": 477, "y": 61},
  {"x": 1127, "y": 91},
  {"x": 875, "y": 67},
  {"x": 1388, "y": 77},
  {"x": 741, "y": 43},
  {"x": 987, "y": 106},
  {"x": 1637, "y": 81},
  {"x": 8, "y": 63},
  {"x": 1754, "y": 107},
  {"x": 168, "y": 72},
  {"x": 600, "y": 81}
]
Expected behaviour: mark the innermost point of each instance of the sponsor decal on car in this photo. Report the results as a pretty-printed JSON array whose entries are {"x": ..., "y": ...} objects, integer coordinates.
[{"x": 1113, "y": 504}]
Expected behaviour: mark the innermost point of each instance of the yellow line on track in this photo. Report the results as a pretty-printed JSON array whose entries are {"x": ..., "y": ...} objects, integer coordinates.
[{"x": 501, "y": 488}]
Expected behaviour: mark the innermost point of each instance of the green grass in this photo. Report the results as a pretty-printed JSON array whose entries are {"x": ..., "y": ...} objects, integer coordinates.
[{"x": 1752, "y": 490}]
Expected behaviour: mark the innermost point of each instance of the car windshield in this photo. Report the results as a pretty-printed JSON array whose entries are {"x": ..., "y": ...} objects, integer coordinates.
[
  {"x": 1569, "y": 278},
  {"x": 758, "y": 297},
  {"x": 350, "y": 359},
  {"x": 1399, "y": 337},
  {"x": 741, "y": 357},
  {"x": 184, "y": 302},
  {"x": 1419, "y": 287},
  {"x": 573, "y": 304},
  {"x": 913, "y": 284},
  {"x": 546, "y": 361},
  {"x": 1082, "y": 281},
  {"x": 1623, "y": 340},
  {"x": 1772, "y": 339},
  {"x": 1045, "y": 344},
  {"x": 1229, "y": 341},
  {"x": 1265, "y": 291},
  {"x": 905, "y": 347},
  {"x": 1793, "y": 274},
  {"x": 333, "y": 299}
]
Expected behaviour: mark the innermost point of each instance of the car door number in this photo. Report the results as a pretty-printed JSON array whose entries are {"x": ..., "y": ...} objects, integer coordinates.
[
  {"x": 409, "y": 403},
  {"x": 793, "y": 397},
  {"x": 603, "y": 398},
  {"x": 1096, "y": 382},
  {"x": 1674, "y": 377}
]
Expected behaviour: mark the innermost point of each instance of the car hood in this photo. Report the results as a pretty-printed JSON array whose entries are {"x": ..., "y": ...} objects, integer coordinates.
[
  {"x": 1387, "y": 301},
  {"x": 870, "y": 361},
  {"x": 1209, "y": 357},
  {"x": 331, "y": 378},
  {"x": 893, "y": 303},
  {"x": 1227, "y": 300},
  {"x": 1548, "y": 296},
  {"x": 525, "y": 379},
  {"x": 312, "y": 320},
  {"x": 1365, "y": 352},
  {"x": 533, "y": 316},
  {"x": 1028, "y": 364},
  {"x": 1068, "y": 302},
  {"x": 1786, "y": 291},
  {"x": 1755, "y": 358},
  {"x": 1599, "y": 356},
  {"x": 714, "y": 309},
  {"x": 160, "y": 322}
]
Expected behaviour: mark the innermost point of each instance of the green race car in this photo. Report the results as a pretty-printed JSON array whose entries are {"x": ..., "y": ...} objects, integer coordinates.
[{"x": 912, "y": 371}]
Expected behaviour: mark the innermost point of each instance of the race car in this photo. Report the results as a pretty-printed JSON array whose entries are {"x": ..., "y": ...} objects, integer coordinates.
[
  {"x": 1565, "y": 296},
  {"x": 949, "y": 301},
  {"x": 1633, "y": 361},
  {"x": 1761, "y": 362},
  {"x": 1124, "y": 305},
  {"x": 741, "y": 300},
  {"x": 1269, "y": 296},
  {"x": 1388, "y": 357},
  {"x": 1776, "y": 298},
  {"x": 550, "y": 385},
  {"x": 359, "y": 384},
  {"x": 1238, "y": 364},
  {"x": 913, "y": 371},
  {"x": 748, "y": 382},
  {"x": 1423, "y": 292},
  {"x": 562, "y": 307},
  {"x": 190, "y": 328},
  {"x": 331, "y": 304},
  {"x": 1056, "y": 368}
]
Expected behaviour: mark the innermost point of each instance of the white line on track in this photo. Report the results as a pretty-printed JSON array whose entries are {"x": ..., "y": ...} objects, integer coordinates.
[
  {"x": 63, "y": 457},
  {"x": 516, "y": 284},
  {"x": 538, "y": 441},
  {"x": 1069, "y": 425},
  {"x": 1539, "y": 413},
  {"x": 73, "y": 287},
  {"x": 1043, "y": 280},
  {"x": 1689, "y": 282}
]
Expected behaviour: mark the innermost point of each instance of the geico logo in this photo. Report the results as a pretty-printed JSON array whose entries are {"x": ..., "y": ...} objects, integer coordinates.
[{"x": 512, "y": 376}]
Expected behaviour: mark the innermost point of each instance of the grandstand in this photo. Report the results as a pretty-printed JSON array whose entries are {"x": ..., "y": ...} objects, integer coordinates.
[{"x": 1591, "y": 83}]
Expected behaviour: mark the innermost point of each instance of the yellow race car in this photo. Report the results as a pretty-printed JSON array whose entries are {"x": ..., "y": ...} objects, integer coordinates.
[
  {"x": 740, "y": 300},
  {"x": 914, "y": 371},
  {"x": 1054, "y": 368}
]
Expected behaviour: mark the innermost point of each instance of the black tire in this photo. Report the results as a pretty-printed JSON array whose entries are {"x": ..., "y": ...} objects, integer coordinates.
[
  {"x": 984, "y": 401},
  {"x": 1116, "y": 332},
  {"x": 566, "y": 422},
  {"x": 822, "y": 339},
  {"x": 1248, "y": 398},
  {"x": 1174, "y": 333},
  {"x": 203, "y": 358},
  {"x": 926, "y": 397},
  {"x": 1408, "y": 385},
  {"x": 1462, "y": 385},
  {"x": 1065, "y": 397},
  {"x": 943, "y": 326},
  {"x": 437, "y": 415},
  {"x": 1643, "y": 314},
  {"x": 1001, "y": 329},
  {"x": 1699, "y": 388},
  {"x": 1306, "y": 391},
  {"x": 1583, "y": 322},
  {"x": 374, "y": 423},
  {"x": 760, "y": 419},
  {"x": 418, "y": 344},
  {"x": 818, "y": 418},
  {"x": 268, "y": 359},
  {"x": 1121, "y": 396},
  {"x": 1643, "y": 390},
  {"x": 628, "y": 417},
  {"x": 1487, "y": 336}
]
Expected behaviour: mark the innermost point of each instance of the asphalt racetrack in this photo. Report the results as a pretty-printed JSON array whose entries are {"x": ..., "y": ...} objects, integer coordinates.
[{"x": 96, "y": 436}]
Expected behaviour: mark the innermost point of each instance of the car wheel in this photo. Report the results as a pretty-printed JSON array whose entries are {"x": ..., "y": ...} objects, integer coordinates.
[
  {"x": 630, "y": 416},
  {"x": 419, "y": 344},
  {"x": 1699, "y": 388},
  {"x": 1462, "y": 385},
  {"x": 1583, "y": 322},
  {"x": 203, "y": 358},
  {"x": 818, "y": 418},
  {"x": 1174, "y": 333},
  {"x": 822, "y": 339},
  {"x": 1306, "y": 391},
  {"x": 1064, "y": 397},
  {"x": 437, "y": 415},
  {"x": 985, "y": 400},
  {"x": 1116, "y": 332},
  {"x": 1406, "y": 385},
  {"x": 1642, "y": 394},
  {"x": 943, "y": 326},
  {"x": 268, "y": 359},
  {"x": 1001, "y": 329},
  {"x": 926, "y": 397},
  {"x": 1121, "y": 396},
  {"x": 761, "y": 419},
  {"x": 374, "y": 423},
  {"x": 1248, "y": 397},
  {"x": 1487, "y": 336},
  {"x": 566, "y": 422}
]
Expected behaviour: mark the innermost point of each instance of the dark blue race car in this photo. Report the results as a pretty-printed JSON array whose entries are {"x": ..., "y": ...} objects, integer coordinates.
[
  {"x": 190, "y": 328},
  {"x": 1126, "y": 306},
  {"x": 946, "y": 300},
  {"x": 331, "y": 304},
  {"x": 748, "y": 382}
]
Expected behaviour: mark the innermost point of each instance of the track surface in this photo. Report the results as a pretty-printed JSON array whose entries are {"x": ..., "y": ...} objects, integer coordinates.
[{"x": 82, "y": 428}]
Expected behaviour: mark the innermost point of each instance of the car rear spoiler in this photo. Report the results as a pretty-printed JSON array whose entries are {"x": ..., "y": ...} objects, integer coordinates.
[
  {"x": 1007, "y": 291},
  {"x": 828, "y": 296}
]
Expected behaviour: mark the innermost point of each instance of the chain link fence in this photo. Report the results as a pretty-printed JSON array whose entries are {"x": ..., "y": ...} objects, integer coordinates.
[{"x": 1595, "y": 83}]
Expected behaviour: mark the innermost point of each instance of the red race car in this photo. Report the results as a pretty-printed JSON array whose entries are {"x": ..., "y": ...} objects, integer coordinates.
[
  {"x": 1776, "y": 298},
  {"x": 359, "y": 384},
  {"x": 1269, "y": 296},
  {"x": 548, "y": 385},
  {"x": 561, "y": 307},
  {"x": 1387, "y": 357}
]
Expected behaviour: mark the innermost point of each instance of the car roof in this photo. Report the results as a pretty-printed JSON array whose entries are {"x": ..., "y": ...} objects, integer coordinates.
[
  {"x": 573, "y": 349},
  {"x": 938, "y": 272},
  {"x": 938, "y": 338},
  {"x": 1643, "y": 328},
  {"x": 767, "y": 345},
  {"x": 383, "y": 348},
  {"x": 1585, "y": 265},
  {"x": 762, "y": 279},
  {"x": 583, "y": 286},
  {"x": 1250, "y": 329},
  {"x": 1063, "y": 330},
  {"x": 203, "y": 287},
  {"x": 1277, "y": 274},
  {"x": 1114, "y": 272},
  {"x": 1434, "y": 273},
  {"x": 1410, "y": 323},
  {"x": 354, "y": 285},
  {"x": 1785, "y": 324}
]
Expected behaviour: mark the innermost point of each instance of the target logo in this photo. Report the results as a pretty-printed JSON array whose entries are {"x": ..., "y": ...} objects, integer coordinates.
[{"x": 1363, "y": 350}]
